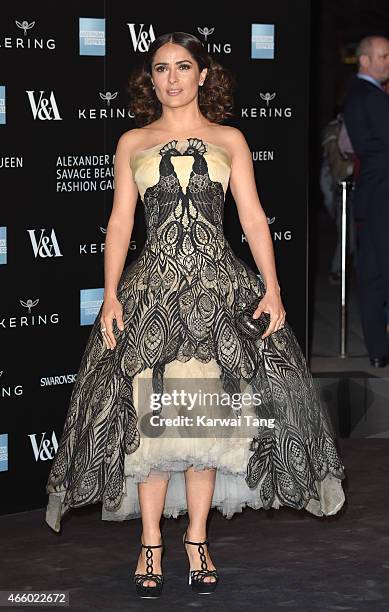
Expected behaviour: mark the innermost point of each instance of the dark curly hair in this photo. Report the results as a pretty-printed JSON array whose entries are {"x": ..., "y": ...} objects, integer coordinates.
[{"x": 214, "y": 97}]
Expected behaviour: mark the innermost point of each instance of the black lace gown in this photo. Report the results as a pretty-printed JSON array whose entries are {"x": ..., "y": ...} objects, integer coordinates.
[{"x": 180, "y": 298}]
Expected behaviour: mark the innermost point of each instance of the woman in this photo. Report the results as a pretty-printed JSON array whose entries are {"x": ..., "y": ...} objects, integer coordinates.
[{"x": 174, "y": 314}]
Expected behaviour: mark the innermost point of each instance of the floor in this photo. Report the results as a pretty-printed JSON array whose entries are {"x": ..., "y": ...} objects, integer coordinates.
[{"x": 273, "y": 560}]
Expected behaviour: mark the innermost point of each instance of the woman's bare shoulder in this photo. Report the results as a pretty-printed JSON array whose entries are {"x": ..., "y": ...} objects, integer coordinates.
[
  {"x": 233, "y": 135},
  {"x": 132, "y": 138},
  {"x": 231, "y": 138},
  {"x": 139, "y": 138}
]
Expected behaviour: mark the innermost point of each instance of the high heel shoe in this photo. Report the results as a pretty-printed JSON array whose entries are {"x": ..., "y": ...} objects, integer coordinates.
[
  {"x": 196, "y": 577},
  {"x": 150, "y": 591}
]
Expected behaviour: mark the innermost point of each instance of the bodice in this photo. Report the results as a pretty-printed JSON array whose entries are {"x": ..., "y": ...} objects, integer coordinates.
[
  {"x": 182, "y": 185},
  {"x": 146, "y": 164}
]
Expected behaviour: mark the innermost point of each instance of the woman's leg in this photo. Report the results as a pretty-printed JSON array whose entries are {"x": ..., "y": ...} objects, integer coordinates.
[
  {"x": 152, "y": 495},
  {"x": 200, "y": 485}
]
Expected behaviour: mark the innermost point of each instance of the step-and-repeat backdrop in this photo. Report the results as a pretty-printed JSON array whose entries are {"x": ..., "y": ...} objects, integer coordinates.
[{"x": 63, "y": 105}]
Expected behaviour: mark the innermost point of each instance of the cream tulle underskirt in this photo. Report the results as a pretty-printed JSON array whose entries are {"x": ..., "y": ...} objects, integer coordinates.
[{"x": 169, "y": 456}]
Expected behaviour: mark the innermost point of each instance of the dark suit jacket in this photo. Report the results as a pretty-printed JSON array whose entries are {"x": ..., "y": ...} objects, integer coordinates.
[{"x": 366, "y": 115}]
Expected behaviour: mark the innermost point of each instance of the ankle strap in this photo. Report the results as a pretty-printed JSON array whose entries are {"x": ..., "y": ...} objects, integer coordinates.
[
  {"x": 195, "y": 543},
  {"x": 154, "y": 545}
]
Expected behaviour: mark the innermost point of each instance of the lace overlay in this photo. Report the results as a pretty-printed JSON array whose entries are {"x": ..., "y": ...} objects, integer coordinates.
[{"x": 179, "y": 301}]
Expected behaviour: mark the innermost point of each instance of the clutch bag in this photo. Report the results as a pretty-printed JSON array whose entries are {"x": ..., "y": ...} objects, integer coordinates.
[{"x": 249, "y": 327}]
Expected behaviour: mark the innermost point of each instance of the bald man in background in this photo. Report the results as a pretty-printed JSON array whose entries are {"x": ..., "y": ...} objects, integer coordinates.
[{"x": 366, "y": 115}]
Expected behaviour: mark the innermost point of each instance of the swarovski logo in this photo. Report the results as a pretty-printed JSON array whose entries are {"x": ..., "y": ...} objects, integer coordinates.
[
  {"x": 45, "y": 246},
  {"x": 62, "y": 379},
  {"x": 108, "y": 96},
  {"x": 143, "y": 39},
  {"x": 46, "y": 448},
  {"x": 24, "y": 25},
  {"x": 270, "y": 220},
  {"x": 45, "y": 109},
  {"x": 206, "y": 32}
]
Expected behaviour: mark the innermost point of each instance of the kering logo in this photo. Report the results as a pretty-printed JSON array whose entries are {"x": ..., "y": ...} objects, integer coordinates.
[
  {"x": 26, "y": 41},
  {"x": 109, "y": 112},
  {"x": 29, "y": 304},
  {"x": 46, "y": 448},
  {"x": 213, "y": 47},
  {"x": 108, "y": 96},
  {"x": 206, "y": 32},
  {"x": 267, "y": 111},
  {"x": 267, "y": 97},
  {"x": 45, "y": 246},
  {"x": 30, "y": 320},
  {"x": 45, "y": 109},
  {"x": 278, "y": 235},
  {"x": 141, "y": 41},
  {"x": 93, "y": 248},
  {"x": 24, "y": 25},
  {"x": 10, "y": 391}
]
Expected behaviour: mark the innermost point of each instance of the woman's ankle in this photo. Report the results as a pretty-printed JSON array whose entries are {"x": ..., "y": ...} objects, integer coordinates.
[
  {"x": 197, "y": 533},
  {"x": 151, "y": 537}
]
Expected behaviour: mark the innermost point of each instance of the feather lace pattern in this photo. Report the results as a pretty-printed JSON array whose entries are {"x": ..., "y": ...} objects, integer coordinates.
[
  {"x": 197, "y": 144},
  {"x": 169, "y": 147}
]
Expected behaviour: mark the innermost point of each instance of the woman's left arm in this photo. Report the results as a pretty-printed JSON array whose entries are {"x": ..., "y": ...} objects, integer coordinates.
[{"x": 256, "y": 229}]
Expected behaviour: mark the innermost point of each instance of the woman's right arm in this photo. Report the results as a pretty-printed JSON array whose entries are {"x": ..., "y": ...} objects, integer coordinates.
[{"x": 118, "y": 235}]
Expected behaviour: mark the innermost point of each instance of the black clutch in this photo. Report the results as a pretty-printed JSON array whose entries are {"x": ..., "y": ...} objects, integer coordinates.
[{"x": 249, "y": 327}]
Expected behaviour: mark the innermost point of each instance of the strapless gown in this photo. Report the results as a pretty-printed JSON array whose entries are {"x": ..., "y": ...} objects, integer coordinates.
[{"x": 179, "y": 299}]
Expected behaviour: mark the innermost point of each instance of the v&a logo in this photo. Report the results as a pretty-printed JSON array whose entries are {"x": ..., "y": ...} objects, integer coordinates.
[
  {"x": 42, "y": 108},
  {"x": 45, "y": 448},
  {"x": 141, "y": 41},
  {"x": 44, "y": 246}
]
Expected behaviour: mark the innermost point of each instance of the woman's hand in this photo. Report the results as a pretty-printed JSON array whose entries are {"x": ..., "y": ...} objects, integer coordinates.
[
  {"x": 112, "y": 309},
  {"x": 272, "y": 304}
]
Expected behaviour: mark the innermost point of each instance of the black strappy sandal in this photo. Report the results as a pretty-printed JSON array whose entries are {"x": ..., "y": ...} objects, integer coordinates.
[
  {"x": 149, "y": 592},
  {"x": 196, "y": 577}
]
